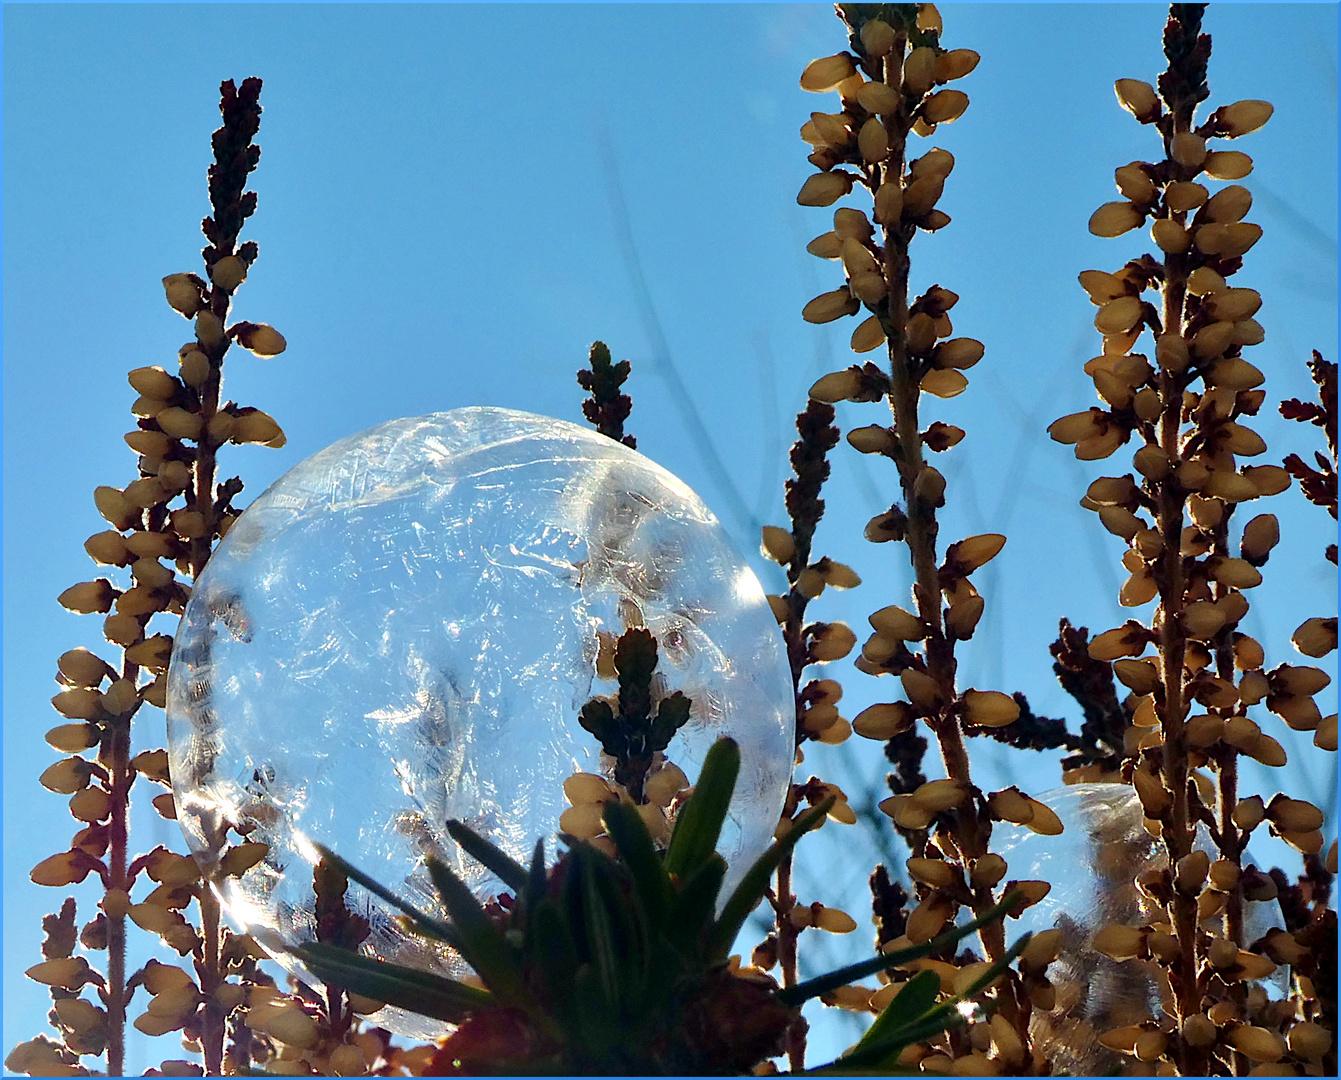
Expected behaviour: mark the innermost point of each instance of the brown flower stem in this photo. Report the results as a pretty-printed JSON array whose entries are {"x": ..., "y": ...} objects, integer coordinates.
[
  {"x": 117, "y": 759},
  {"x": 795, "y": 1042}
]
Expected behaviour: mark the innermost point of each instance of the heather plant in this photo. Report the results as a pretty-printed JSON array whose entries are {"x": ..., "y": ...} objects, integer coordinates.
[{"x": 618, "y": 957}]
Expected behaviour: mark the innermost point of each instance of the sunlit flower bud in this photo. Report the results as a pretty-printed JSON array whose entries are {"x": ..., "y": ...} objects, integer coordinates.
[
  {"x": 1102, "y": 286},
  {"x": 1243, "y": 117},
  {"x": 921, "y": 195},
  {"x": 877, "y": 37},
  {"x": 189, "y": 524},
  {"x": 1267, "y": 479},
  {"x": 1118, "y": 316},
  {"x": 944, "y": 106},
  {"x": 958, "y": 353},
  {"x": 1170, "y": 236},
  {"x": 1126, "y": 640},
  {"x": 944, "y": 382},
  {"x": 833, "y": 642},
  {"x": 938, "y": 795},
  {"x": 883, "y": 721},
  {"x": 830, "y": 306},
  {"x": 827, "y": 245},
  {"x": 664, "y": 784},
  {"x": 1151, "y": 462},
  {"x": 1212, "y": 340},
  {"x": 1138, "y": 98},
  {"x": 583, "y": 820},
  {"x": 1229, "y": 205},
  {"x": 888, "y": 203},
  {"x": 869, "y": 287},
  {"x": 824, "y": 188},
  {"x": 240, "y": 858},
  {"x": 929, "y": 486},
  {"x": 837, "y": 386},
  {"x": 259, "y": 338},
  {"x": 1315, "y": 637},
  {"x": 1228, "y": 165},
  {"x": 872, "y": 141},
  {"x": 1258, "y": 1044},
  {"x": 921, "y": 333},
  {"x": 228, "y": 273},
  {"x": 1189, "y": 150},
  {"x": 923, "y": 691},
  {"x": 778, "y": 545},
  {"x": 179, "y": 424},
  {"x": 255, "y": 427},
  {"x": 955, "y": 64},
  {"x": 824, "y": 74},
  {"x": 153, "y": 382},
  {"x": 67, "y": 776},
  {"x": 185, "y": 293},
  {"x": 72, "y": 738},
  {"x": 1249, "y": 813},
  {"x": 876, "y": 97},
  {"x": 832, "y": 129},
  {"x": 89, "y": 597},
  {"x": 857, "y": 257},
  {"x": 868, "y": 335},
  {"x": 990, "y": 708},
  {"x": 1237, "y": 239},
  {"x": 90, "y": 805},
  {"x": 1114, "y": 219},
  {"x": 810, "y": 583},
  {"x": 1309, "y": 1041}
]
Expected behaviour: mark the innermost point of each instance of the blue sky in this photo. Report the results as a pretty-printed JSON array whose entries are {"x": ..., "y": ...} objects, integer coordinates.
[{"x": 456, "y": 200}]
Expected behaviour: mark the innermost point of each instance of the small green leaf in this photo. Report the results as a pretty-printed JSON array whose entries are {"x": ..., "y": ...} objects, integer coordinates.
[
  {"x": 427, "y": 925},
  {"x": 746, "y": 896},
  {"x": 404, "y": 987},
  {"x": 639, "y": 852},
  {"x": 598, "y": 919},
  {"x": 491, "y": 857},
  {"x": 481, "y": 942},
  {"x": 689, "y": 921},
  {"x": 537, "y": 880},
  {"x": 555, "y": 955},
  {"x": 700, "y": 820},
  {"x": 886, "y": 1035}
]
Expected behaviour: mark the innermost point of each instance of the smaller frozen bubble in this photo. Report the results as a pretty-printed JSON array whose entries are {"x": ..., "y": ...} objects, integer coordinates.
[
  {"x": 402, "y": 630},
  {"x": 1093, "y": 865}
]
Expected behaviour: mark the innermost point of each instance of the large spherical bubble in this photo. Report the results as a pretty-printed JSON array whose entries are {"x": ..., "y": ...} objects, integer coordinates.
[
  {"x": 1093, "y": 865},
  {"x": 402, "y": 630}
]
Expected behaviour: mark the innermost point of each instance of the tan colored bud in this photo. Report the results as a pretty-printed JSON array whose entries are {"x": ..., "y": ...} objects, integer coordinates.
[
  {"x": 857, "y": 257},
  {"x": 810, "y": 583},
  {"x": 923, "y": 691},
  {"x": 868, "y": 335},
  {"x": 188, "y": 523},
  {"x": 1202, "y": 620},
  {"x": 70, "y": 972},
  {"x": 1120, "y": 942},
  {"x": 955, "y": 64},
  {"x": 1044, "y": 821},
  {"x": 834, "y": 642},
  {"x": 1190, "y": 872},
  {"x": 1212, "y": 340},
  {"x": 888, "y": 203},
  {"x": 1102, "y": 286},
  {"x": 1229, "y": 205},
  {"x": 944, "y": 106},
  {"x": 1241, "y": 118},
  {"x": 1309, "y": 1041},
  {"x": 830, "y": 306},
  {"x": 1294, "y": 815},
  {"x": 1114, "y": 219},
  {"x": 937, "y": 873},
  {"x": 1155, "y": 798},
  {"x": 824, "y": 188},
  {"x": 944, "y": 383},
  {"x": 1234, "y": 239},
  {"x": 1234, "y": 373},
  {"x": 869, "y": 287},
  {"x": 1204, "y": 730},
  {"x": 872, "y": 141},
  {"x": 255, "y": 427},
  {"x": 1260, "y": 535},
  {"x": 1228, "y": 165},
  {"x": 228, "y": 273},
  {"x": 583, "y": 821},
  {"x": 894, "y": 622},
  {"x": 990, "y": 708},
  {"x": 89, "y": 597},
  {"x": 1189, "y": 150},
  {"x": 90, "y": 805},
  {"x": 154, "y": 382},
  {"x": 1151, "y": 462},
  {"x": 1325, "y": 737},
  {"x": 834, "y": 921},
  {"x": 827, "y": 245},
  {"x": 583, "y": 788},
  {"x": 938, "y": 795},
  {"x": 1315, "y": 637},
  {"x": 1120, "y": 641},
  {"x": 778, "y": 545},
  {"x": 113, "y": 506},
  {"x": 1181, "y": 197},
  {"x": 876, "y": 97},
  {"x": 67, "y": 776},
  {"x": 824, "y": 74},
  {"x": 195, "y": 370},
  {"x": 1011, "y": 804},
  {"x": 873, "y": 439},
  {"x": 179, "y": 424},
  {"x": 838, "y": 575},
  {"x": 1169, "y": 236},
  {"x": 780, "y": 606},
  {"x": 919, "y": 71},
  {"x": 1076, "y": 427},
  {"x": 240, "y": 858},
  {"x": 1138, "y": 98},
  {"x": 1266, "y": 479},
  {"x": 1257, "y": 1043},
  {"x": 927, "y": 919},
  {"x": 185, "y": 293},
  {"x": 72, "y": 738},
  {"x": 958, "y": 353},
  {"x": 877, "y": 37},
  {"x": 837, "y": 386},
  {"x": 1140, "y": 676}
]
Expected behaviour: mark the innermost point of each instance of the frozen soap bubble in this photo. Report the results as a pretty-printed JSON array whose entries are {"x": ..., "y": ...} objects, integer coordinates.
[
  {"x": 403, "y": 629},
  {"x": 1093, "y": 865}
]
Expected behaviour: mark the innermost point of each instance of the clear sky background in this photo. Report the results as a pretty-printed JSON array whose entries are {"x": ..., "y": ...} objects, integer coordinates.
[{"x": 456, "y": 200}]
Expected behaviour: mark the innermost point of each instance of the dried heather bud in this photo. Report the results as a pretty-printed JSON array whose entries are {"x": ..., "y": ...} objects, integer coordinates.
[
  {"x": 990, "y": 708},
  {"x": 778, "y": 545},
  {"x": 1228, "y": 165},
  {"x": 1260, "y": 535},
  {"x": 228, "y": 273},
  {"x": 1120, "y": 942},
  {"x": 824, "y": 188},
  {"x": 1189, "y": 150},
  {"x": 958, "y": 353},
  {"x": 1114, "y": 219},
  {"x": 832, "y": 642},
  {"x": 179, "y": 424},
  {"x": 842, "y": 385},
  {"x": 1257, "y": 1043},
  {"x": 868, "y": 335},
  {"x": 824, "y": 74},
  {"x": 185, "y": 293},
  {"x": 1315, "y": 637},
  {"x": 830, "y": 306},
  {"x": 944, "y": 106},
  {"x": 1170, "y": 237},
  {"x": 888, "y": 203},
  {"x": 1138, "y": 98},
  {"x": 872, "y": 141},
  {"x": 876, "y": 97},
  {"x": 827, "y": 245},
  {"x": 154, "y": 382},
  {"x": 1242, "y": 117},
  {"x": 938, "y": 795},
  {"x": 955, "y": 64},
  {"x": 89, "y": 597}
]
